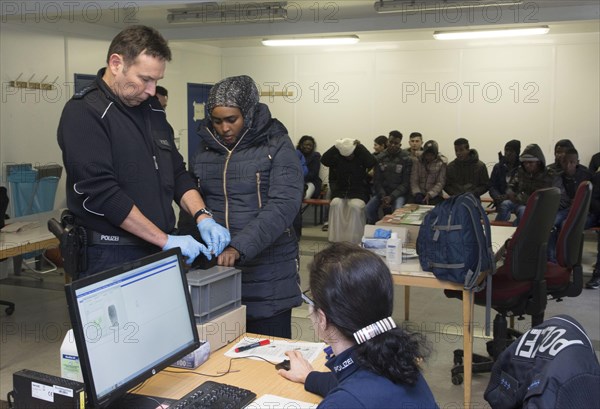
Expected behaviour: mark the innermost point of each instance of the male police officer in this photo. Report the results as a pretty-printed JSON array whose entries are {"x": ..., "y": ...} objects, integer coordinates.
[{"x": 123, "y": 169}]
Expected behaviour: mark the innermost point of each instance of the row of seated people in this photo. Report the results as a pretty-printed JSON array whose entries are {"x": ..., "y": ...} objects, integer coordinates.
[{"x": 422, "y": 175}]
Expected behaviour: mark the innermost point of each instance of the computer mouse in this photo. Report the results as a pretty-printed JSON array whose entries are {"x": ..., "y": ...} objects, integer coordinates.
[{"x": 285, "y": 364}]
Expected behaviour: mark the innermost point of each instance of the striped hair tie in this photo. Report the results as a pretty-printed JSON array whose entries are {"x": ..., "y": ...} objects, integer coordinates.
[{"x": 371, "y": 331}]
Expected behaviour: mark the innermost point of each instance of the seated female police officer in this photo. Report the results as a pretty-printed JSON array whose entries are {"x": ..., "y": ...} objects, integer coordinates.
[{"x": 376, "y": 364}]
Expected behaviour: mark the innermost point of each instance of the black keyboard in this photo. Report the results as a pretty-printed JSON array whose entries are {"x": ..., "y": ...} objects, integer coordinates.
[{"x": 215, "y": 395}]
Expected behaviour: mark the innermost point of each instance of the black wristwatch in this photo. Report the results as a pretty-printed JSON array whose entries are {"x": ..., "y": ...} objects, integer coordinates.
[{"x": 202, "y": 211}]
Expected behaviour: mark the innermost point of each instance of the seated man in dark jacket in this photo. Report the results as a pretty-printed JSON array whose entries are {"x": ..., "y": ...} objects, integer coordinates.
[
  {"x": 504, "y": 171},
  {"x": 532, "y": 175},
  {"x": 391, "y": 181},
  {"x": 572, "y": 174},
  {"x": 466, "y": 173},
  {"x": 594, "y": 221}
]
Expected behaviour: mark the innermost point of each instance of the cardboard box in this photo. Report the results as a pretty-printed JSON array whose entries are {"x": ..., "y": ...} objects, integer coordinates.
[
  {"x": 196, "y": 358},
  {"x": 222, "y": 330}
]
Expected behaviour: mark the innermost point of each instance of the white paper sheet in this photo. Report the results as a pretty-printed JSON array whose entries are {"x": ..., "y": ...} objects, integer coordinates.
[
  {"x": 277, "y": 402},
  {"x": 275, "y": 351}
]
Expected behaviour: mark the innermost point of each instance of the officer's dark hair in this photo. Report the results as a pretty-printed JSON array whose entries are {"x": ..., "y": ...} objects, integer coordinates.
[
  {"x": 345, "y": 279},
  {"x": 461, "y": 141},
  {"x": 304, "y": 139},
  {"x": 382, "y": 140},
  {"x": 415, "y": 135},
  {"x": 395, "y": 134},
  {"x": 135, "y": 40}
]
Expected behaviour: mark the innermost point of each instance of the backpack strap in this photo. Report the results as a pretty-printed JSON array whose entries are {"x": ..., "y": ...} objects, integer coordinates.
[{"x": 485, "y": 251}]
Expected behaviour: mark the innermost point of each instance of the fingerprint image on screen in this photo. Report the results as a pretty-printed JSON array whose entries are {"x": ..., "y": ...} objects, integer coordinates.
[{"x": 112, "y": 314}]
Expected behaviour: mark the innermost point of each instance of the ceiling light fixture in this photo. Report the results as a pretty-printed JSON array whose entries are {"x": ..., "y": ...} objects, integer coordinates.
[
  {"x": 411, "y": 6},
  {"x": 490, "y": 33},
  {"x": 213, "y": 12},
  {"x": 311, "y": 41}
]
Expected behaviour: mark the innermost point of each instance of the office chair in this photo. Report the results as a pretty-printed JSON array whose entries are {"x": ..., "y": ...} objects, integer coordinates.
[
  {"x": 565, "y": 277},
  {"x": 519, "y": 286},
  {"x": 10, "y": 306}
]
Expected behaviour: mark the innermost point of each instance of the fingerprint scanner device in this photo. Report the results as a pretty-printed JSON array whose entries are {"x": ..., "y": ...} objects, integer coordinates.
[
  {"x": 215, "y": 291},
  {"x": 129, "y": 323},
  {"x": 38, "y": 390}
]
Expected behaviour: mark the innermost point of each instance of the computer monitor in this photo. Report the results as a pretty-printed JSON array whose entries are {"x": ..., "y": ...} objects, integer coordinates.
[{"x": 130, "y": 322}]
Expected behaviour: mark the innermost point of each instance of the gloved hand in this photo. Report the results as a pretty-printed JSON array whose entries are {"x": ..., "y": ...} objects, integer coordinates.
[
  {"x": 214, "y": 235},
  {"x": 190, "y": 248}
]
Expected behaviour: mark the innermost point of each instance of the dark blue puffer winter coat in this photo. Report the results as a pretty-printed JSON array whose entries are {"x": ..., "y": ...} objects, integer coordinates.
[{"x": 255, "y": 190}]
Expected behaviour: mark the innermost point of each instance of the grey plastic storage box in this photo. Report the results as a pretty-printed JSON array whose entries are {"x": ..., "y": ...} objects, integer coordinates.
[{"x": 214, "y": 292}]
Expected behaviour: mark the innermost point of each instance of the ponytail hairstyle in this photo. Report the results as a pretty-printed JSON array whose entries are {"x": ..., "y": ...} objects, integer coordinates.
[{"x": 354, "y": 289}]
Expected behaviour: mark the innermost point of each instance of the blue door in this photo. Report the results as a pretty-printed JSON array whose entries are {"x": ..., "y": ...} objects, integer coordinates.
[{"x": 197, "y": 95}]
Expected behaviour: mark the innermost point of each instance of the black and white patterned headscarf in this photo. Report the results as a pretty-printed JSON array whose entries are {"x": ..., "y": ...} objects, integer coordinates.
[{"x": 235, "y": 92}]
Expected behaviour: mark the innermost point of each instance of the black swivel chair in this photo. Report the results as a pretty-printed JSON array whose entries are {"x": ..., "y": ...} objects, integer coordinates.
[
  {"x": 10, "y": 307},
  {"x": 565, "y": 277},
  {"x": 519, "y": 286}
]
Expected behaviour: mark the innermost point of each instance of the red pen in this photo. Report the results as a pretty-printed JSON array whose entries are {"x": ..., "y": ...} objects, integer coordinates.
[{"x": 254, "y": 345}]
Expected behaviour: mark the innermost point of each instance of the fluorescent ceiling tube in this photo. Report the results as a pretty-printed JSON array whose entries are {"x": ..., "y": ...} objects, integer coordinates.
[
  {"x": 410, "y": 6},
  {"x": 490, "y": 33},
  {"x": 213, "y": 12},
  {"x": 308, "y": 41}
]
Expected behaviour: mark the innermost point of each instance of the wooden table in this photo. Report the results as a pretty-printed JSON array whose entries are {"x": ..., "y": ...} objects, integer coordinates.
[
  {"x": 30, "y": 239},
  {"x": 258, "y": 376},
  {"x": 410, "y": 274}
]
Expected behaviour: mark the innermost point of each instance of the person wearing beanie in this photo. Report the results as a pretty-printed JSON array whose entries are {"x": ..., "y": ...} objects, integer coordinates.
[
  {"x": 466, "y": 173},
  {"x": 350, "y": 161},
  {"x": 504, "y": 171},
  {"x": 531, "y": 176},
  {"x": 428, "y": 175},
  {"x": 251, "y": 179}
]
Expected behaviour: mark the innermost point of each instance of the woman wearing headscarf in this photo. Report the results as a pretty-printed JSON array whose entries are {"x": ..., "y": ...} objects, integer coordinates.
[{"x": 252, "y": 181}]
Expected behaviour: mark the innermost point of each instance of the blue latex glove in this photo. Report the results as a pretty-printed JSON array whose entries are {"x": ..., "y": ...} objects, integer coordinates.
[
  {"x": 214, "y": 235},
  {"x": 382, "y": 234},
  {"x": 190, "y": 248}
]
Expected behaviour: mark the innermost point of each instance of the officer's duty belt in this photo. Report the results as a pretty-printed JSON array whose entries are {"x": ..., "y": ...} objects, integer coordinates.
[{"x": 94, "y": 238}]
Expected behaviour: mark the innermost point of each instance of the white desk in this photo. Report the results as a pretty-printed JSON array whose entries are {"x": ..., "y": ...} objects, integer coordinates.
[
  {"x": 30, "y": 239},
  {"x": 411, "y": 274}
]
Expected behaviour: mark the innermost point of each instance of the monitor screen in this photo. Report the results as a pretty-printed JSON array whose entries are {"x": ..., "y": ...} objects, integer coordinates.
[{"x": 130, "y": 322}]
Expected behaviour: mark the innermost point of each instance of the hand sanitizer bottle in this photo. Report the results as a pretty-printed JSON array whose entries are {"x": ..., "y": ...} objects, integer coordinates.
[
  {"x": 70, "y": 367},
  {"x": 393, "y": 252}
]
